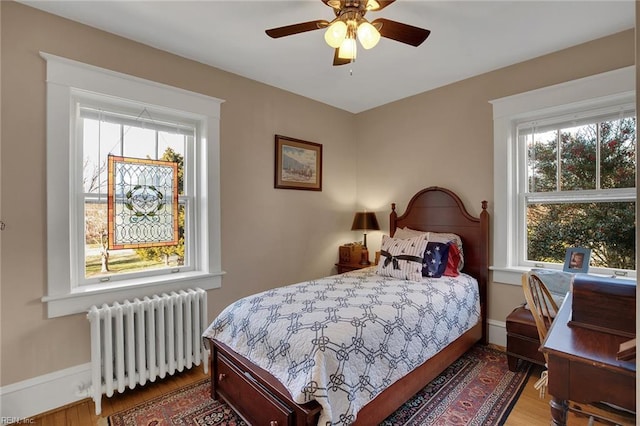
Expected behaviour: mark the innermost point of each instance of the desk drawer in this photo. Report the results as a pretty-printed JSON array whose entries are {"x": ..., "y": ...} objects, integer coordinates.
[
  {"x": 265, "y": 409},
  {"x": 593, "y": 384}
]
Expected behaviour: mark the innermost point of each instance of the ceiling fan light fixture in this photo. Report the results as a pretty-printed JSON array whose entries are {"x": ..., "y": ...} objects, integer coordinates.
[
  {"x": 372, "y": 5},
  {"x": 368, "y": 35},
  {"x": 350, "y": 25},
  {"x": 335, "y": 34},
  {"x": 348, "y": 49}
]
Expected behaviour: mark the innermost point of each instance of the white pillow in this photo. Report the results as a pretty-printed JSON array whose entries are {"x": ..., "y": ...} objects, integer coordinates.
[
  {"x": 404, "y": 233},
  {"x": 402, "y": 258}
]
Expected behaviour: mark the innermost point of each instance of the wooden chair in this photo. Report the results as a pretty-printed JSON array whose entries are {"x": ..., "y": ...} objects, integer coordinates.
[{"x": 544, "y": 310}]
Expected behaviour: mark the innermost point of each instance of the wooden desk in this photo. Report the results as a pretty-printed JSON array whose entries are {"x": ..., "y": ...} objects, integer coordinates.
[{"x": 582, "y": 367}]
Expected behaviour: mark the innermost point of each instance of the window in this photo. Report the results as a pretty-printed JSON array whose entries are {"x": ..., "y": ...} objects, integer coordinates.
[
  {"x": 105, "y": 131},
  {"x": 93, "y": 114},
  {"x": 579, "y": 188},
  {"x": 564, "y": 176}
]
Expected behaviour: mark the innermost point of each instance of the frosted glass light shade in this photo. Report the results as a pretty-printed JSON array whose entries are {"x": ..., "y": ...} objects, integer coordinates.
[
  {"x": 373, "y": 5},
  {"x": 368, "y": 35},
  {"x": 335, "y": 34},
  {"x": 348, "y": 49}
]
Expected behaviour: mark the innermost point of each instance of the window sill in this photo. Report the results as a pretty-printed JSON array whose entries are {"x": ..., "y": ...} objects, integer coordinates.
[
  {"x": 509, "y": 275},
  {"x": 513, "y": 274},
  {"x": 79, "y": 300}
]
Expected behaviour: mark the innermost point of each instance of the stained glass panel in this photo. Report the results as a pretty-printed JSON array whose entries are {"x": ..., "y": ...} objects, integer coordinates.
[{"x": 142, "y": 203}]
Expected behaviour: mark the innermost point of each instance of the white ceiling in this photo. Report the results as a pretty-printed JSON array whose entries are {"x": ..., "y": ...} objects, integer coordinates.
[{"x": 467, "y": 38}]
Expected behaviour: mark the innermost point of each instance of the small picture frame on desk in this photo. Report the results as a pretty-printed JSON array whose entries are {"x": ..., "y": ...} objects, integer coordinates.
[{"x": 577, "y": 260}]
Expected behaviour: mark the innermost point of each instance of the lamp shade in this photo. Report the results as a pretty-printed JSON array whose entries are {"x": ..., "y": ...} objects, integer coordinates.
[{"x": 365, "y": 221}]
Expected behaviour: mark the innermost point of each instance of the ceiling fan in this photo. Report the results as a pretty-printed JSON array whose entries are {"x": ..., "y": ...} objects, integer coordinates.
[{"x": 350, "y": 24}]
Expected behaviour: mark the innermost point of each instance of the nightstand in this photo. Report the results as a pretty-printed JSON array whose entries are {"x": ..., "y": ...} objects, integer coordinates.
[{"x": 346, "y": 267}]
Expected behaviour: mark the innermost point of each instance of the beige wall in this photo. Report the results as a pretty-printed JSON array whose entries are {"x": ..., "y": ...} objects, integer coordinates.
[
  {"x": 269, "y": 237},
  {"x": 444, "y": 137}
]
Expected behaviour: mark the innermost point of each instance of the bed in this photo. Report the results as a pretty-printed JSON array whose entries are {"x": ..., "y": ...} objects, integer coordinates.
[{"x": 334, "y": 391}]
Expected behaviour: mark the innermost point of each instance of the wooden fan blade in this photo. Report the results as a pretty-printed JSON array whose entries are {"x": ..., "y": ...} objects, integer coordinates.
[
  {"x": 296, "y": 28},
  {"x": 403, "y": 33},
  {"x": 339, "y": 61}
]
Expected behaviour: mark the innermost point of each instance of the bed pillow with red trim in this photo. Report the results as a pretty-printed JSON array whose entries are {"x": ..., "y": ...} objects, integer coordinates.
[
  {"x": 445, "y": 237},
  {"x": 453, "y": 260}
]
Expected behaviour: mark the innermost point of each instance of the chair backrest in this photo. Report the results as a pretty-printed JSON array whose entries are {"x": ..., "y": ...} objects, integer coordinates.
[{"x": 542, "y": 306}]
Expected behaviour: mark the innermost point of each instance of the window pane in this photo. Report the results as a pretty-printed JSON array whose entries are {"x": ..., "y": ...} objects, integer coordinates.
[
  {"x": 608, "y": 229},
  {"x": 170, "y": 256},
  {"x": 100, "y": 262},
  {"x": 618, "y": 153},
  {"x": 578, "y": 157},
  {"x": 103, "y": 263},
  {"x": 99, "y": 139},
  {"x": 542, "y": 164},
  {"x": 140, "y": 143},
  {"x": 171, "y": 140},
  {"x": 171, "y": 147}
]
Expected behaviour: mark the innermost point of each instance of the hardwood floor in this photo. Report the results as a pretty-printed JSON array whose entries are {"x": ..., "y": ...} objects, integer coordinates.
[
  {"x": 83, "y": 413},
  {"x": 530, "y": 409}
]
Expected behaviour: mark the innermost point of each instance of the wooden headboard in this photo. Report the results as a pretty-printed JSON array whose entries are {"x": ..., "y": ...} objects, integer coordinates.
[{"x": 440, "y": 210}]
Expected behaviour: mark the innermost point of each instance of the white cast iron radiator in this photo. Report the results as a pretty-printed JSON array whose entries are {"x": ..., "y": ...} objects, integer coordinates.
[{"x": 132, "y": 342}]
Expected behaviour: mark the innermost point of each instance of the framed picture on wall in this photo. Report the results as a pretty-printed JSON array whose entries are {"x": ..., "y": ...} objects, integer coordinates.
[
  {"x": 577, "y": 260},
  {"x": 298, "y": 164}
]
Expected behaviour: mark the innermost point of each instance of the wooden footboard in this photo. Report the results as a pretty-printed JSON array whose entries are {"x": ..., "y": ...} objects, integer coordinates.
[
  {"x": 262, "y": 400},
  {"x": 254, "y": 393},
  {"x": 383, "y": 405}
]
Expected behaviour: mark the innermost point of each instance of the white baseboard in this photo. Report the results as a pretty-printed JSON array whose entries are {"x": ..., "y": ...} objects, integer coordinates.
[
  {"x": 19, "y": 401},
  {"x": 31, "y": 397},
  {"x": 23, "y": 400},
  {"x": 497, "y": 332}
]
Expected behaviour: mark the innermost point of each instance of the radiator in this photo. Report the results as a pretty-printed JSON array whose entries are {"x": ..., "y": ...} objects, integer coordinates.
[{"x": 139, "y": 341}]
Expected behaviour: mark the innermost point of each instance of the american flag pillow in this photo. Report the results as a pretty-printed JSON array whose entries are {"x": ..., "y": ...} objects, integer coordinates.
[{"x": 436, "y": 256}]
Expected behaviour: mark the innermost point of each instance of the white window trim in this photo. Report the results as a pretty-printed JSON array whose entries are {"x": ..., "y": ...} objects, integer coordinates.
[
  {"x": 597, "y": 91},
  {"x": 64, "y": 76}
]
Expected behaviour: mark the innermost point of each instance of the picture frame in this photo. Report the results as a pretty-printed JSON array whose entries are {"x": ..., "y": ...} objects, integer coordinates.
[
  {"x": 577, "y": 260},
  {"x": 298, "y": 164}
]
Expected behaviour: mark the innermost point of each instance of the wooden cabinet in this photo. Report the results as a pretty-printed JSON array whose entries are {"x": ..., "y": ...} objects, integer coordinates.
[
  {"x": 348, "y": 262},
  {"x": 523, "y": 341},
  {"x": 346, "y": 267}
]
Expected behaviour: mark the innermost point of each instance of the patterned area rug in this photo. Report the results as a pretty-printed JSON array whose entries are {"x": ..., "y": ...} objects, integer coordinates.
[{"x": 477, "y": 389}]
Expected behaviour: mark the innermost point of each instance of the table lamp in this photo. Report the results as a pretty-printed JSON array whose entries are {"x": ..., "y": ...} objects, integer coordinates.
[{"x": 365, "y": 221}]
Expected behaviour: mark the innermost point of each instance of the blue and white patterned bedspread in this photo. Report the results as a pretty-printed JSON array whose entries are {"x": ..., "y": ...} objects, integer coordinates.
[{"x": 341, "y": 340}]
